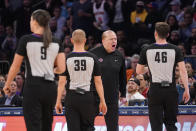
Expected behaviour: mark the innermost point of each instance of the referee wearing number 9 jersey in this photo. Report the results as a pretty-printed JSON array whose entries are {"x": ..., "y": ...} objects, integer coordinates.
[
  {"x": 83, "y": 76},
  {"x": 161, "y": 59},
  {"x": 43, "y": 56}
]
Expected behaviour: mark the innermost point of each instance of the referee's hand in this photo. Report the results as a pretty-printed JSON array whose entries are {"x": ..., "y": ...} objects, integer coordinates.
[
  {"x": 6, "y": 90},
  {"x": 103, "y": 108},
  {"x": 59, "y": 108},
  {"x": 186, "y": 96}
]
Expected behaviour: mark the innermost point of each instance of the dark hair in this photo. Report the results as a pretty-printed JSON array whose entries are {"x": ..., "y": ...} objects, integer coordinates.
[
  {"x": 162, "y": 29},
  {"x": 43, "y": 17}
]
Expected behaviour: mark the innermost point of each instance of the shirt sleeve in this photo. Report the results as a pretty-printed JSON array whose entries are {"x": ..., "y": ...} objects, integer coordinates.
[
  {"x": 96, "y": 70},
  {"x": 179, "y": 55},
  {"x": 66, "y": 71},
  {"x": 122, "y": 79},
  {"x": 143, "y": 60},
  {"x": 61, "y": 47},
  {"x": 21, "y": 49}
]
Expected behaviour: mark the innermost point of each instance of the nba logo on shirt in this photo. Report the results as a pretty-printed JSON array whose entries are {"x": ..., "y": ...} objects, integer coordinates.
[{"x": 100, "y": 60}]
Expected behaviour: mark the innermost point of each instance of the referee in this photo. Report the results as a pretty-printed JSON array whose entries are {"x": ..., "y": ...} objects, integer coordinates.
[
  {"x": 161, "y": 59},
  {"x": 82, "y": 74},
  {"x": 113, "y": 74},
  {"x": 41, "y": 53}
]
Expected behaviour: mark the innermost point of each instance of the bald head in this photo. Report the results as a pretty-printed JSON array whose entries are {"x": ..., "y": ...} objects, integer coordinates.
[
  {"x": 107, "y": 33},
  {"x": 109, "y": 41},
  {"x": 78, "y": 36}
]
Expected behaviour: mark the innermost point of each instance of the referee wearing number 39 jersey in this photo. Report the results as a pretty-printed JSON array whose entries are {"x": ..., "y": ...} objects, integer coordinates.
[
  {"x": 161, "y": 59},
  {"x": 41, "y": 53},
  {"x": 81, "y": 74}
]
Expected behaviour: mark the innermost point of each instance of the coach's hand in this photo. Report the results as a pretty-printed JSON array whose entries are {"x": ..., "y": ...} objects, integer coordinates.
[
  {"x": 186, "y": 96},
  {"x": 59, "y": 108},
  {"x": 103, "y": 108}
]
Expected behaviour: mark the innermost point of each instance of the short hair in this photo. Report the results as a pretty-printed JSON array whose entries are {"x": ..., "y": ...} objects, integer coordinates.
[
  {"x": 162, "y": 29},
  {"x": 78, "y": 36},
  {"x": 105, "y": 33},
  {"x": 135, "y": 56}
]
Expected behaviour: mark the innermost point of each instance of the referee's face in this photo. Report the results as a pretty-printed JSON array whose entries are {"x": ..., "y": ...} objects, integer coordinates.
[{"x": 110, "y": 42}]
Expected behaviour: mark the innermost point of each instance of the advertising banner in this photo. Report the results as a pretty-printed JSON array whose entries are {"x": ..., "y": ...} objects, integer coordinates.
[{"x": 126, "y": 123}]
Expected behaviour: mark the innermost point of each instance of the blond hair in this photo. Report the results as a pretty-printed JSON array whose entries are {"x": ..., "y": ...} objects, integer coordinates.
[{"x": 78, "y": 36}]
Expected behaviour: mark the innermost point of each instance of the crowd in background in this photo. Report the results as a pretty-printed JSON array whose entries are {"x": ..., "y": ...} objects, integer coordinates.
[{"x": 132, "y": 20}]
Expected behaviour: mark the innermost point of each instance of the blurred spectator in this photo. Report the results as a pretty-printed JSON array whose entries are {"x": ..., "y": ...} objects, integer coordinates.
[
  {"x": 2, "y": 34},
  {"x": 2, "y": 79},
  {"x": 127, "y": 58},
  {"x": 174, "y": 37},
  {"x": 45, "y": 4},
  {"x": 124, "y": 42},
  {"x": 9, "y": 43},
  {"x": 181, "y": 46},
  {"x": 143, "y": 88},
  {"x": 60, "y": 22},
  {"x": 132, "y": 72},
  {"x": 6, "y": 17},
  {"x": 67, "y": 41},
  {"x": 176, "y": 10},
  {"x": 187, "y": 3},
  {"x": 65, "y": 8},
  {"x": 13, "y": 5},
  {"x": 192, "y": 58},
  {"x": 2, "y": 82},
  {"x": 53, "y": 26},
  {"x": 152, "y": 17},
  {"x": 139, "y": 15},
  {"x": 193, "y": 48},
  {"x": 191, "y": 81},
  {"x": 12, "y": 99},
  {"x": 20, "y": 83},
  {"x": 102, "y": 12},
  {"x": 22, "y": 17},
  {"x": 172, "y": 22},
  {"x": 191, "y": 40},
  {"x": 67, "y": 29},
  {"x": 90, "y": 42},
  {"x": 2, "y": 94},
  {"x": 187, "y": 25},
  {"x": 133, "y": 96},
  {"x": 82, "y": 16},
  {"x": 137, "y": 19},
  {"x": 67, "y": 50},
  {"x": 190, "y": 72},
  {"x": 120, "y": 15}
]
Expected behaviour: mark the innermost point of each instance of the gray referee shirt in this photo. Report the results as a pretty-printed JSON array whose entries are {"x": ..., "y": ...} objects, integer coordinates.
[
  {"x": 39, "y": 60},
  {"x": 161, "y": 60},
  {"x": 81, "y": 67}
]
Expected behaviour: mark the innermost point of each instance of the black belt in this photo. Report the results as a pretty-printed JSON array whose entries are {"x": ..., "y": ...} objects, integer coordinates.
[
  {"x": 79, "y": 91},
  {"x": 37, "y": 79},
  {"x": 163, "y": 84}
]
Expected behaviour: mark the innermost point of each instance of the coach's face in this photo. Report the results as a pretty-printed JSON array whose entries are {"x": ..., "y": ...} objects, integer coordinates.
[{"x": 110, "y": 42}]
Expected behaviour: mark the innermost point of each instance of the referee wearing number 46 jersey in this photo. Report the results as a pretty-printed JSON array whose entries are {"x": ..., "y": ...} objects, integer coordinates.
[
  {"x": 161, "y": 59},
  {"x": 81, "y": 74}
]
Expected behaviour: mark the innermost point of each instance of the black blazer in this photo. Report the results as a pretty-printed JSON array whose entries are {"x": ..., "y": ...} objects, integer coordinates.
[{"x": 16, "y": 101}]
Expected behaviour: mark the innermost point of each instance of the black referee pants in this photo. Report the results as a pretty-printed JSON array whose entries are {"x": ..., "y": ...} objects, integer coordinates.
[
  {"x": 38, "y": 104},
  {"x": 80, "y": 111},
  {"x": 163, "y": 108},
  {"x": 111, "y": 117}
]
